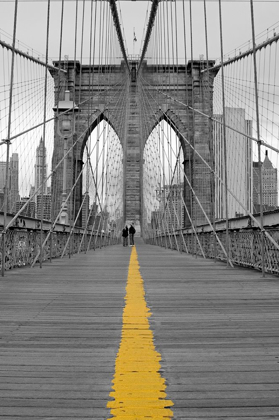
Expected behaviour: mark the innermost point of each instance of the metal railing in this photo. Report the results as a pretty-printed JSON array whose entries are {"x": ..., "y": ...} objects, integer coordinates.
[
  {"x": 23, "y": 245},
  {"x": 244, "y": 247}
]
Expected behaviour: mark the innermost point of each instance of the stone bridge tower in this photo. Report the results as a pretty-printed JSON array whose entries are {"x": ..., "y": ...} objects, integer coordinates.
[{"x": 170, "y": 88}]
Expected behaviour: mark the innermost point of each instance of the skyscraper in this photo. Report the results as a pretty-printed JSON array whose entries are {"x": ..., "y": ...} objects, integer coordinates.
[
  {"x": 269, "y": 185},
  {"x": 172, "y": 206},
  {"x": 46, "y": 206},
  {"x": 40, "y": 176},
  {"x": 85, "y": 211},
  {"x": 13, "y": 183},
  {"x": 29, "y": 209},
  {"x": 2, "y": 175},
  {"x": 239, "y": 163},
  {"x": 2, "y": 184},
  {"x": 40, "y": 168}
]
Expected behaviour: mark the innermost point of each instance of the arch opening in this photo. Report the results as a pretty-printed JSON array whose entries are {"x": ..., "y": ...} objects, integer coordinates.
[
  {"x": 102, "y": 180},
  {"x": 163, "y": 181}
]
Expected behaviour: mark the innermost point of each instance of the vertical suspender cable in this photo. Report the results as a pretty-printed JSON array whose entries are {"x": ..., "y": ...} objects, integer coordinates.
[
  {"x": 75, "y": 161},
  {"x": 258, "y": 134},
  {"x": 224, "y": 135},
  {"x": 93, "y": 74},
  {"x": 81, "y": 48},
  {"x": 104, "y": 51},
  {"x": 176, "y": 45},
  {"x": 211, "y": 147},
  {"x": 187, "y": 118},
  {"x": 91, "y": 101},
  {"x": 54, "y": 180},
  {"x": 81, "y": 204},
  {"x": 168, "y": 39},
  {"x": 8, "y": 142},
  {"x": 192, "y": 161},
  {"x": 44, "y": 138},
  {"x": 93, "y": 52},
  {"x": 89, "y": 111},
  {"x": 71, "y": 204},
  {"x": 98, "y": 127},
  {"x": 170, "y": 225},
  {"x": 172, "y": 40},
  {"x": 177, "y": 139}
]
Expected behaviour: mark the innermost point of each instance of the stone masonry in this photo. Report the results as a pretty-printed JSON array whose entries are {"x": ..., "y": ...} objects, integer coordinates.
[{"x": 133, "y": 103}]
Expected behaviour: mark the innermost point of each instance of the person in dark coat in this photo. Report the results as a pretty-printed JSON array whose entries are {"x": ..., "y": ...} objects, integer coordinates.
[
  {"x": 125, "y": 234},
  {"x": 132, "y": 231}
]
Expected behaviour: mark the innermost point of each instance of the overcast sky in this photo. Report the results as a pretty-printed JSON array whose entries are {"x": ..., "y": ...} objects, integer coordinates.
[
  {"x": 31, "y": 28},
  {"x": 236, "y": 23}
]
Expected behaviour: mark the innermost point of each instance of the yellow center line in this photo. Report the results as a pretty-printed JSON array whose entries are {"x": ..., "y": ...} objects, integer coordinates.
[{"x": 138, "y": 387}]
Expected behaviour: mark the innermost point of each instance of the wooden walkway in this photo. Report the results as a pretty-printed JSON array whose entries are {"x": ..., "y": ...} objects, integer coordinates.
[{"x": 216, "y": 328}]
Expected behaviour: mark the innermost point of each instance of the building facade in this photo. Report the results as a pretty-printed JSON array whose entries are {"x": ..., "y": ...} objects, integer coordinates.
[
  {"x": 269, "y": 185},
  {"x": 40, "y": 168},
  {"x": 13, "y": 182},
  {"x": 29, "y": 210},
  {"x": 46, "y": 206},
  {"x": 239, "y": 163},
  {"x": 172, "y": 207},
  {"x": 2, "y": 175},
  {"x": 85, "y": 210}
]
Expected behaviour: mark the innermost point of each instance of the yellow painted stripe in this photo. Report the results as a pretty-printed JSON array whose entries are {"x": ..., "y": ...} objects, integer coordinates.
[{"x": 138, "y": 387}]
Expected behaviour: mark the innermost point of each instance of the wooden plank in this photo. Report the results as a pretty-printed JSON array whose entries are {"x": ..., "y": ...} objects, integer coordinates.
[
  {"x": 216, "y": 328},
  {"x": 60, "y": 333}
]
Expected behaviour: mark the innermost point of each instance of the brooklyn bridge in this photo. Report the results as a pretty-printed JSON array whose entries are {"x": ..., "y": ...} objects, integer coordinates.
[{"x": 162, "y": 116}]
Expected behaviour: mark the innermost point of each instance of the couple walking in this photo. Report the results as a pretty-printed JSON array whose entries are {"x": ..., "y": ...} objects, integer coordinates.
[{"x": 128, "y": 232}]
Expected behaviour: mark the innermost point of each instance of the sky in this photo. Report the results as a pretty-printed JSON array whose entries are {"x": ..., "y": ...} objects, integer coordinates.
[
  {"x": 31, "y": 27},
  {"x": 133, "y": 15}
]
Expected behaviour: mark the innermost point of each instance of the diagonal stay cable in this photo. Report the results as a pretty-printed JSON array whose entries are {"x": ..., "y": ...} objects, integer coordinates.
[
  {"x": 51, "y": 173},
  {"x": 151, "y": 21},
  {"x": 116, "y": 21},
  {"x": 210, "y": 117},
  {"x": 232, "y": 194},
  {"x": 198, "y": 201},
  {"x": 191, "y": 221}
]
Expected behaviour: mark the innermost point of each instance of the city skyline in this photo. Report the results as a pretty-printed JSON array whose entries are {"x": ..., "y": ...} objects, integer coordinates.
[
  {"x": 127, "y": 11},
  {"x": 17, "y": 200}
]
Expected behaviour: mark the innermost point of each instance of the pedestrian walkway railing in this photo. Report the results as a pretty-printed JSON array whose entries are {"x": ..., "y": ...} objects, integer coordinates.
[
  {"x": 244, "y": 246},
  {"x": 23, "y": 246}
]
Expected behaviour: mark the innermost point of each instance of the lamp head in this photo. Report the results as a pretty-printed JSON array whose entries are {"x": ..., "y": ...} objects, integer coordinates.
[
  {"x": 66, "y": 105},
  {"x": 65, "y": 121}
]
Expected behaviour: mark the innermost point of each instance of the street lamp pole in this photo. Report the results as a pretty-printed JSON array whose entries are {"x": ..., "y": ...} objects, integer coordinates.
[
  {"x": 64, "y": 217},
  {"x": 65, "y": 131}
]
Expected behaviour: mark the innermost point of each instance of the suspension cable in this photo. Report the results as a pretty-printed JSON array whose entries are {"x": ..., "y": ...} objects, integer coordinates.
[{"x": 8, "y": 143}]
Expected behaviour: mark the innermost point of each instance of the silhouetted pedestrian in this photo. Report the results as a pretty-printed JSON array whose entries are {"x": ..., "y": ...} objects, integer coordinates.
[
  {"x": 125, "y": 234},
  {"x": 132, "y": 231}
]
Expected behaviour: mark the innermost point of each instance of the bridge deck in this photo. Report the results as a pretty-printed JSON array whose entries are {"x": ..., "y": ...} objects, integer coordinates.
[{"x": 216, "y": 328}]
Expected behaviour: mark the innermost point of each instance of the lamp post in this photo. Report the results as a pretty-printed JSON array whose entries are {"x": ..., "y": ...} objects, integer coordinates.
[
  {"x": 160, "y": 197},
  {"x": 65, "y": 130}
]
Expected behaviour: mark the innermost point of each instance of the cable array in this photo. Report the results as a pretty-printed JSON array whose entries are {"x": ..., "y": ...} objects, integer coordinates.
[
  {"x": 206, "y": 109},
  {"x": 207, "y": 150},
  {"x": 27, "y": 113},
  {"x": 73, "y": 177}
]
